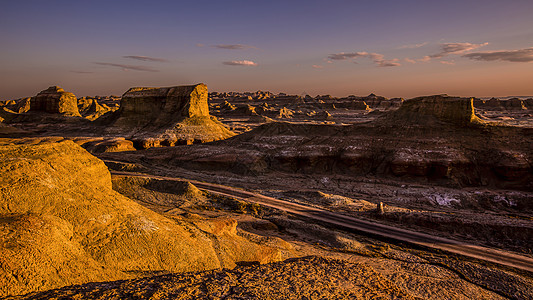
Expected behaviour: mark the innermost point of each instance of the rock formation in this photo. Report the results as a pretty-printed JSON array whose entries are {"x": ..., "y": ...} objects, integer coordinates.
[
  {"x": 438, "y": 138},
  {"x": 56, "y": 101},
  {"x": 169, "y": 116},
  {"x": 61, "y": 223},
  {"x": 459, "y": 111}
]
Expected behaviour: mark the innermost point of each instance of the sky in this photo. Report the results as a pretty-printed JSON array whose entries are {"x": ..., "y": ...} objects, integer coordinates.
[{"x": 392, "y": 48}]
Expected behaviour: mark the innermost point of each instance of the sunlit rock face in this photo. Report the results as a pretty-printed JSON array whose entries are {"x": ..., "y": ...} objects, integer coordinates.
[
  {"x": 167, "y": 116},
  {"x": 62, "y": 223},
  {"x": 55, "y": 100},
  {"x": 159, "y": 106}
]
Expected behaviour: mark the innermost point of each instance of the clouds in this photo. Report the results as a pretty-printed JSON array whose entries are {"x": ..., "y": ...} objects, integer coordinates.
[
  {"x": 145, "y": 58},
  {"x": 456, "y": 48},
  {"x": 247, "y": 63},
  {"x": 81, "y": 72},
  {"x": 233, "y": 47},
  {"x": 127, "y": 67},
  {"x": 521, "y": 55},
  {"x": 345, "y": 56},
  {"x": 413, "y": 46},
  {"x": 378, "y": 59}
]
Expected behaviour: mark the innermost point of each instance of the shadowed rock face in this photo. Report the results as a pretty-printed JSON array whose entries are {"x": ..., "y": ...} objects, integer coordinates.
[
  {"x": 55, "y": 100},
  {"x": 459, "y": 111}
]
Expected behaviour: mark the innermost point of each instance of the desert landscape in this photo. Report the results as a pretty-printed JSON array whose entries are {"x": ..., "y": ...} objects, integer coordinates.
[
  {"x": 266, "y": 149},
  {"x": 176, "y": 192}
]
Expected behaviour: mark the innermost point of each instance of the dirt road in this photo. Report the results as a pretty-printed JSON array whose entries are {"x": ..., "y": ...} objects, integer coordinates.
[{"x": 362, "y": 226}]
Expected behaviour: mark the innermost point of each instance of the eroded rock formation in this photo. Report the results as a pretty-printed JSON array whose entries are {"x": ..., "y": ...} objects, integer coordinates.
[
  {"x": 167, "y": 116},
  {"x": 56, "y": 101},
  {"x": 438, "y": 139},
  {"x": 61, "y": 223},
  {"x": 454, "y": 110}
]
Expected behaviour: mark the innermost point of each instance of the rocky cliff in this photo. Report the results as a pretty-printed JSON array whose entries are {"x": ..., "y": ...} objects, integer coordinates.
[
  {"x": 423, "y": 110},
  {"x": 56, "y": 101},
  {"x": 167, "y": 116}
]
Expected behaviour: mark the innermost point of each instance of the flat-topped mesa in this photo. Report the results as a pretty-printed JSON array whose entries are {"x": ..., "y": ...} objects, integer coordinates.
[
  {"x": 455, "y": 110},
  {"x": 168, "y": 115},
  {"x": 56, "y": 101},
  {"x": 183, "y": 101}
]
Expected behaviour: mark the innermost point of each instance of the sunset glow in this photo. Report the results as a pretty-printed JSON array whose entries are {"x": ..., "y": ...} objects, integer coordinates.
[{"x": 392, "y": 48}]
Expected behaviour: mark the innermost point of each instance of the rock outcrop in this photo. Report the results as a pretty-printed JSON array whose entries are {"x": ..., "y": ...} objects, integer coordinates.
[
  {"x": 425, "y": 110},
  {"x": 61, "y": 223},
  {"x": 437, "y": 139},
  {"x": 56, "y": 101},
  {"x": 167, "y": 116},
  {"x": 495, "y": 104}
]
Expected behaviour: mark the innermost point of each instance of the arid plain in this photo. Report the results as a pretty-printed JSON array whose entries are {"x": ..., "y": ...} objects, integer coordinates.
[{"x": 178, "y": 193}]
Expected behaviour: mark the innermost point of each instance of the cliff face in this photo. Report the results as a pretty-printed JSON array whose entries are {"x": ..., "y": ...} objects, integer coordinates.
[
  {"x": 458, "y": 111},
  {"x": 167, "y": 116},
  {"x": 55, "y": 100},
  {"x": 157, "y": 107}
]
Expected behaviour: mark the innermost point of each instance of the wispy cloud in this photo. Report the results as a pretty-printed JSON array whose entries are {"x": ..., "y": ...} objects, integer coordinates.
[
  {"x": 81, "y": 72},
  {"x": 317, "y": 66},
  {"x": 521, "y": 55},
  {"x": 413, "y": 46},
  {"x": 378, "y": 59},
  {"x": 233, "y": 47},
  {"x": 345, "y": 56},
  {"x": 411, "y": 61},
  {"x": 127, "y": 67},
  {"x": 388, "y": 63},
  {"x": 456, "y": 48},
  {"x": 145, "y": 58},
  {"x": 445, "y": 62},
  {"x": 240, "y": 63}
]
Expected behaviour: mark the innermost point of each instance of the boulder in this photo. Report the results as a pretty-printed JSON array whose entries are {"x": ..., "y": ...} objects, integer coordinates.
[{"x": 56, "y": 101}]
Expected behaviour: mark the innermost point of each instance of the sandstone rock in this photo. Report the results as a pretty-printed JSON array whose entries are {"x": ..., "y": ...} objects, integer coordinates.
[
  {"x": 324, "y": 115},
  {"x": 359, "y": 105},
  {"x": 459, "y": 111},
  {"x": 102, "y": 145},
  {"x": 246, "y": 110},
  {"x": 260, "y": 119},
  {"x": 61, "y": 223},
  {"x": 22, "y": 105},
  {"x": 228, "y": 106},
  {"x": 514, "y": 104},
  {"x": 84, "y": 103},
  {"x": 55, "y": 100},
  {"x": 155, "y": 116},
  {"x": 285, "y": 113}
]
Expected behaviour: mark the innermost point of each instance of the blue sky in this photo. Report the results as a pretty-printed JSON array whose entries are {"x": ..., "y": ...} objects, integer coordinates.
[{"x": 392, "y": 48}]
